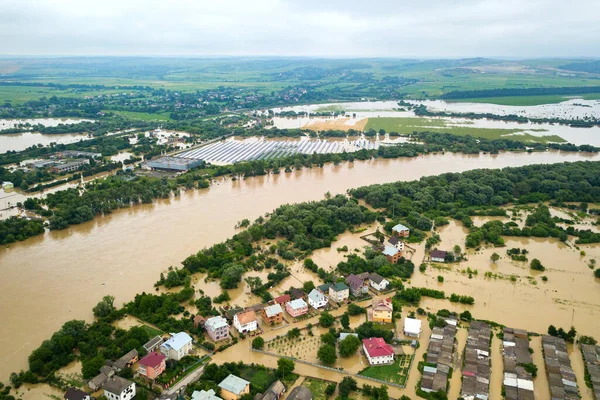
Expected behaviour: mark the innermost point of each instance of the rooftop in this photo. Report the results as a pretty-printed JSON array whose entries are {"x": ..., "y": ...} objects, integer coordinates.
[
  {"x": 300, "y": 393},
  {"x": 297, "y": 304},
  {"x": 214, "y": 323},
  {"x": 173, "y": 161},
  {"x": 273, "y": 310},
  {"x": 152, "y": 360},
  {"x": 354, "y": 281},
  {"x": 116, "y": 384},
  {"x": 152, "y": 343},
  {"x": 390, "y": 250},
  {"x": 400, "y": 228},
  {"x": 437, "y": 254},
  {"x": 340, "y": 286},
  {"x": 375, "y": 277},
  {"x": 377, "y": 347},
  {"x": 177, "y": 341},
  {"x": 75, "y": 394},
  {"x": 233, "y": 384},
  {"x": 245, "y": 317},
  {"x": 316, "y": 296},
  {"x": 393, "y": 240},
  {"x": 412, "y": 325},
  {"x": 205, "y": 395},
  {"x": 282, "y": 299}
]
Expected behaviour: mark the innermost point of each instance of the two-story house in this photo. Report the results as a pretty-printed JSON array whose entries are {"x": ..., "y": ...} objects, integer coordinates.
[
  {"x": 76, "y": 394},
  {"x": 382, "y": 310},
  {"x": 378, "y": 282},
  {"x": 217, "y": 328},
  {"x": 245, "y": 321},
  {"x": 316, "y": 299},
  {"x": 177, "y": 347},
  {"x": 358, "y": 286},
  {"x": 391, "y": 253},
  {"x": 378, "y": 351},
  {"x": 339, "y": 292},
  {"x": 152, "y": 365},
  {"x": 272, "y": 314},
  {"x": 117, "y": 388},
  {"x": 296, "y": 308},
  {"x": 400, "y": 230}
]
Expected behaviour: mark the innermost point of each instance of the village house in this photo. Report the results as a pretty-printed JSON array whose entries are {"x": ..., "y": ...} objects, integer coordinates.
[
  {"x": 217, "y": 328},
  {"x": 382, "y": 310},
  {"x": 272, "y": 314},
  {"x": 233, "y": 388},
  {"x": 339, "y": 292},
  {"x": 437, "y": 256},
  {"x": 391, "y": 253},
  {"x": 412, "y": 327},
  {"x": 282, "y": 300},
  {"x": 316, "y": 299},
  {"x": 300, "y": 393},
  {"x": 400, "y": 230},
  {"x": 396, "y": 242},
  {"x": 153, "y": 344},
  {"x": 296, "y": 308},
  {"x": 205, "y": 395},
  {"x": 76, "y": 394},
  {"x": 245, "y": 321},
  {"x": 117, "y": 388},
  {"x": 296, "y": 293},
  {"x": 152, "y": 365},
  {"x": 274, "y": 392},
  {"x": 358, "y": 286},
  {"x": 324, "y": 288},
  {"x": 199, "y": 321},
  {"x": 378, "y": 282},
  {"x": 378, "y": 352},
  {"x": 177, "y": 347},
  {"x": 126, "y": 361}
]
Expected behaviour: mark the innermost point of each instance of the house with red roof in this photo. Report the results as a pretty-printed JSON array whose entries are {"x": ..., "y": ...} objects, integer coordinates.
[
  {"x": 282, "y": 300},
  {"x": 152, "y": 365},
  {"x": 378, "y": 352}
]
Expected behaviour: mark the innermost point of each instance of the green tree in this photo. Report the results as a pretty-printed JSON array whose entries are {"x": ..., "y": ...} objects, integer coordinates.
[
  {"x": 349, "y": 345},
  {"x": 537, "y": 265},
  {"x": 254, "y": 282},
  {"x": 308, "y": 286},
  {"x": 258, "y": 343},
  {"x": 327, "y": 354},
  {"x": 293, "y": 333},
  {"x": 91, "y": 367},
  {"x": 354, "y": 309},
  {"x": 326, "y": 320},
  {"x": 347, "y": 386},
  {"x": 285, "y": 366},
  {"x": 104, "y": 306},
  {"x": 345, "y": 320},
  {"x": 494, "y": 257},
  {"x": 597, "y": 273}
]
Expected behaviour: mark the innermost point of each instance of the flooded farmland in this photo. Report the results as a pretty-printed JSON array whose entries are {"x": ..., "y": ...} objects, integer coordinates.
[
  {"x": 124, "y": 252},
  {"x": 21, "y": 141}
]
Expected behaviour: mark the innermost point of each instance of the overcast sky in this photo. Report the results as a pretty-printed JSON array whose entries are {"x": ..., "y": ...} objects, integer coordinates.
[{"x": 324, "y": 28}]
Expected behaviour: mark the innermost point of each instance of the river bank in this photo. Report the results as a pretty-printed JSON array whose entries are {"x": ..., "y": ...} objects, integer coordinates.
[{"x": 98, "y": 258}]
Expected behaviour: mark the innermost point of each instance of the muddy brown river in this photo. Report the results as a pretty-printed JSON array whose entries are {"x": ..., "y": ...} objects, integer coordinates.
[{"x": 59, "y": 276}]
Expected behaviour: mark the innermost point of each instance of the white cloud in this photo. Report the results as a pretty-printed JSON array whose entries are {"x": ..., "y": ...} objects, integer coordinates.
[{"x": 395, "y": 28}]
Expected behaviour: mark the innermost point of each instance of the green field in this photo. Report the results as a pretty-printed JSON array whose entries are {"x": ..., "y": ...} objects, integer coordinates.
[
  {"x": 164, "y": 116},
  {"x": 406, "y": 126},
  {"x": 317, "y": 387},
  {"x": 395, "y": 373},
  {"x": 527, "y": 100}
]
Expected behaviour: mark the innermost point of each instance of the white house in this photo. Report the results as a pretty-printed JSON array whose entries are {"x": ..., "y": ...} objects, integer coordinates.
[
  {"x": 437, "y": 256},
  {"x": 117, "y": 388},
  {"x": 177, "y": 347},
  {"x": 412, "y": 327},
  {"x": 378, "y": 282},
  {"x": 317, "y": 299},
  {"x": 378, "y": 351},
  {"x": 245, "y": 321}
]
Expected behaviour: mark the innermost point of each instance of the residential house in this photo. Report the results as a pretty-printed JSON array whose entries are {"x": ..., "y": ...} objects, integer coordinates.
[
  {"x": 296, "y": 308},
  {"x": 229, "y": 314},
  {"x": 282, "y": 300},
  {"x": 126, "y": 361},
  {"x": 117, "y": 388},
  {"x": 412, "y": 327},
  {"x": 76, "y": 394},
  {"x": 382, "y": 310},
  {"x": 339, "y": 292},
  {"x": 217, "y": 328},
  {"x": 272, "y": 314},
  {"x": 153, "y": 344},
  {"x": 245, "y": 321},
  {"x": 6, "y": 185},
  {"x": 358, "y": 286},
  {"x": 391, "y": 253},
  {"x": 437, "y": 256},
  {"x": 274, "y": 392},
  {"x": 324, "y": 288},
  {"x": 205, "y": 395},
  {"x": 233, "y": 388},
  {"x": 97, "y": 382},
  {"x": 401, "y": 230},
  {"x": 378, "y": 351},
  {"x": 177, "y": 347},
  {"x": 199, "y": 321},
  {"x": 296, "y": 293},
  {"x": 396, "y": 242},
  {"x": 152, "y": 365},
  {"x": 317, "y": 299},
  {"x": 300, "y": 393},
  {"x": 378, "y": 282}
]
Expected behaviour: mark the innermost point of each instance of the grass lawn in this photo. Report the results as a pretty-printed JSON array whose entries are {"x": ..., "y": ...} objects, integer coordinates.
[
  {"x": 261, "y": 379},
  {"x": 152, "y": 331},
  {"x": 407, "y": 126},
  {"x": 164, "y": 116},
  {"x": 317, "y": 387},
  {"x": 395, "y": 373}
]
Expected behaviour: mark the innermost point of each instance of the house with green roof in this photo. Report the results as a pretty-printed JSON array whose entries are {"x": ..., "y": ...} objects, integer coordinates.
[{"x": 339, "y": 292}]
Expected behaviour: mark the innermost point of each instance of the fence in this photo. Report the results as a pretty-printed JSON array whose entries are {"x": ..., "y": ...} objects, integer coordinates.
[{"x": 341, "y": 371}]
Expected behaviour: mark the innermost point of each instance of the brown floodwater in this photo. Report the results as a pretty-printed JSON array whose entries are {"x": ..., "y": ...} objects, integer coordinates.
[{"x": 49, "y": 279}]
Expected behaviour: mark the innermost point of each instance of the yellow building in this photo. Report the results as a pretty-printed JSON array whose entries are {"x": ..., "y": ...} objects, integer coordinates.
[
  {"x": 382, "y": 310},
  {"x": 233, "y": 388}
]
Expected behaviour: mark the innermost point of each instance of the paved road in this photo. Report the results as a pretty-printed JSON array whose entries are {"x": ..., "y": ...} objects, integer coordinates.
[{"x": 194, "y": 376}]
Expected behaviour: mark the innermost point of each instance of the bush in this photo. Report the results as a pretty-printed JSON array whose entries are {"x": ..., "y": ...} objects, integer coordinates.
[
  {"x": 327, "y": 354},
  {"x": 537, "y": 265},
  {"x": 440, "y": 279},
  {"x": 326, "y": 320},
  {"x": 258, "y": 343}
]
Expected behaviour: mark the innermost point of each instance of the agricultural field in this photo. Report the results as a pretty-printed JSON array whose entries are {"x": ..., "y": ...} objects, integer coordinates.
[
  {"x": 163, "y": 116},
  {"x": 527, "y": 100}
]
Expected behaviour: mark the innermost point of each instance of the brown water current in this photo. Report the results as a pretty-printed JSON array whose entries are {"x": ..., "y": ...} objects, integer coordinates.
[{"x": 61, "y": 275}]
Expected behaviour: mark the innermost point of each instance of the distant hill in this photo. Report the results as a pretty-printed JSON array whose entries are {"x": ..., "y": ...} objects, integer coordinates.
[{"x": 592, "y": 67}]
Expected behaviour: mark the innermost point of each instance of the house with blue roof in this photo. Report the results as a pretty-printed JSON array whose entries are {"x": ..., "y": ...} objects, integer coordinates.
[
  {"x": 177, "y": 347},
  {"x": 401, "y": 230}
]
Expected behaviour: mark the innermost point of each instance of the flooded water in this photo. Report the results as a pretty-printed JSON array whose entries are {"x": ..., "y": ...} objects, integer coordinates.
[
  {"x": 21, "y": 141},
  {"x": 61, "y": 275}
]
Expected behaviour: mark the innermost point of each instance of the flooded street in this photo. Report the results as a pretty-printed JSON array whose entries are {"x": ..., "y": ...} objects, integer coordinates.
[{"x": 61, "y": 275}]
